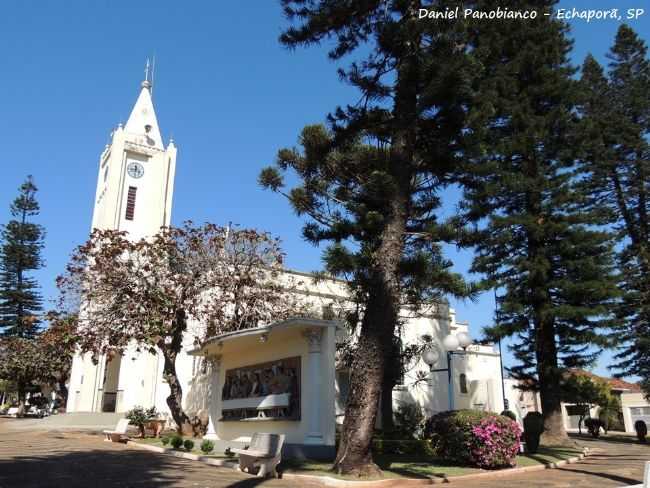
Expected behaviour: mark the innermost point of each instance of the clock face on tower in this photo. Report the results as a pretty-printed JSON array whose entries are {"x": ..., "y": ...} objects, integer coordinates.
[{"x": 135, "y": 170}]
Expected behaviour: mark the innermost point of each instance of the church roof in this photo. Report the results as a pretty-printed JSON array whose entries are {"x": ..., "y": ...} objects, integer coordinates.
[{"x": 143, "y": 121}]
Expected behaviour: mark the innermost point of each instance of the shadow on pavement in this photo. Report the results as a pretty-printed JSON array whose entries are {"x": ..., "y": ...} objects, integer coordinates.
[
  {"x": 609, "y": 476},
  {"x": 112, "y": 469}
]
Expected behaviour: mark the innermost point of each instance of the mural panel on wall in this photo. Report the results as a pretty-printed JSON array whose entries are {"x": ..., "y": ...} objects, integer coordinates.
[{"x": 265, "y": 390}]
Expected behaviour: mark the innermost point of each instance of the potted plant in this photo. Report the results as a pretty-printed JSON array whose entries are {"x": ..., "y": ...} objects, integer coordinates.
[{"x": 141, "y": 418}]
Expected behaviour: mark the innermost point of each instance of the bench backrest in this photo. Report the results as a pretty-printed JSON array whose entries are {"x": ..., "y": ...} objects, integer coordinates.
[
  {"x": 122, "y": 425},
  {"x": 268, "y": 443}
]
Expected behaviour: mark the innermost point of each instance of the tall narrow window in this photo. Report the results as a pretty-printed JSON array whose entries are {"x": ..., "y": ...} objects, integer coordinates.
[
  {"x": 463, "y": 383},
  {"x": 130, "y": 203}
]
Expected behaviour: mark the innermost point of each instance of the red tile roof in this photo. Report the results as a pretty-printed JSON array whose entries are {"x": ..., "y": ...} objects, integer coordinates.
[{"x": 614, "y": 383}]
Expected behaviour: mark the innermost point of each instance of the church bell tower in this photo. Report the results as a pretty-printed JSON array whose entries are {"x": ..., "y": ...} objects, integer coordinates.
[
  {"x": 136, "y": 174},
  {"x": 134, "y": 194}
]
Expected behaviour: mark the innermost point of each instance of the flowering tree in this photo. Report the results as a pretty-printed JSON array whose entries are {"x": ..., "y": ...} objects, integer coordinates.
[
  {"x": 46, "y": 358},
  {"x": 57, "y": 345},
  {"x": 145, "y": 292}
]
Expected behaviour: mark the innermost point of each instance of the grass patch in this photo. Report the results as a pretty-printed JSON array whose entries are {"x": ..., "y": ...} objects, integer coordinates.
[
  {"x": 548, "y": 455},
  {"x": 153, "y": 441},
  {"x": 421, "y": 466}
]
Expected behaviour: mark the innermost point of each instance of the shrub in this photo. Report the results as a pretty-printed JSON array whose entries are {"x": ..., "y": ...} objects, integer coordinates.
[
  {"x": 510, "y": 414},
  {"x": 641, "y": 430},
  {"x": 207, "y": 446},
  {"x": 533, "y": 428},
  {"x": 401, "y": 446},
  {"x": 188, "y": 444},
  {"x": 409, "y": 419},
  {"x": 177, "y": 442},
  {"x": 137, "y": 416},
  {"x": 473, "y": 437},
  {"x": 165, "y": 441},
  {"x": 593, "y": 426}
]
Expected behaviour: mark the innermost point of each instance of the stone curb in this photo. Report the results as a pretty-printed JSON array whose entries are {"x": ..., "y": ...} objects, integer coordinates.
[{"x": 385, "y": 483}]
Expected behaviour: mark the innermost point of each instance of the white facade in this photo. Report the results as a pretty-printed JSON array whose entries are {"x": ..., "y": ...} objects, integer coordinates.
[
  {"x": 135, "y": 185},
  {"x": 134, "y": 194}
]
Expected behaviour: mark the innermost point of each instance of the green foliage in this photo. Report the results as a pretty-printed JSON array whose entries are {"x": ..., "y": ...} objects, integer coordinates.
[
  {"x": 371, "y": 183},
  {"x": 474, "y": 438},
  {"x": 139, "y": 415},
  {"x": 449, "y": 433},
  {"x": 538, "y": 236},
  {"x": 176, "y": 441},
  {"x": 21, "y": 244},
  {"x": 593, "y": 426},
  {"x": 533, "y": 429},
  {"x": 165, "y": 440},
  {"x": 615, "y": 113},
  {"x": 401, "y": 446},
  {"x": 641, "y": 430},
  {"x": 510, "y": 414},
  {"x": 207, "y": 446},
  {"x": 188, "y": 444},
  {"x": 409, "y": 419}
]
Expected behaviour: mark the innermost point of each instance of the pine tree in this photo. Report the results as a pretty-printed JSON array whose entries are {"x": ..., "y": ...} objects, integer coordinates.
[
  {"x": 22, "y": 243},
  {"x": 537, "y": 240},
  {"x": 616, "y": 121},
  {"x": 371, "y": 183}
]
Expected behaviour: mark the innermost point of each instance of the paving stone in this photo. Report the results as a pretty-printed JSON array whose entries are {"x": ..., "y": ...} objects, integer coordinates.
[
  {"x": 612, "y": 464},
  {"x": 53, "y": 459}
]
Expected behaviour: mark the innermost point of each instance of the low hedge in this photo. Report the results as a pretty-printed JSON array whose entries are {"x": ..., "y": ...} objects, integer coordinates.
[
  {"x": 474, "y": 438},
  {"x": 401, "y": 446}
]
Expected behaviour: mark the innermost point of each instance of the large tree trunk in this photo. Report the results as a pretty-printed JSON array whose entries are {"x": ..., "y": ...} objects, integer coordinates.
[
  {"x": 375, "y": 344},
  {"x": 175, "y": 398},
  {"x": 354, "y": 454},
  {"x": 22, "y": 396},
  {"x": 549, "y": 385},
  {"x": 387, "y": 420},
  {"x": 548, "y": 372}
]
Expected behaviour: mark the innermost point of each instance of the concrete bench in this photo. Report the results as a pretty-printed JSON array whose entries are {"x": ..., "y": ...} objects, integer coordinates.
[
  {"x": 119, "y": 434},
  {"x": 262, "y": 404},
  {"x": 264, "y": 452}
]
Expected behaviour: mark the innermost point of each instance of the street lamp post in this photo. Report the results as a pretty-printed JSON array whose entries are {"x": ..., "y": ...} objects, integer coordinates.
[{"x": 451, "y": 343}]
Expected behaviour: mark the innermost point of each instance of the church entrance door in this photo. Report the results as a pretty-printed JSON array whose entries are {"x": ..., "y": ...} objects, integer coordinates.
[{"x": 111, "y": 381}]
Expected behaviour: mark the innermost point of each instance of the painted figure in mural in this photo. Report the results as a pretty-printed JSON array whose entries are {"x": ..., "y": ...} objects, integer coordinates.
[
  {"x": 261, "y": 380},
  {"x": 255, "y": 388},
  {"x": 280, "y": 381}
]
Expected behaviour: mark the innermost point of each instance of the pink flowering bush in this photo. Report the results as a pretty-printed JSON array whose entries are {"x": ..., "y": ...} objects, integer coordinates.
[
  {"x": 474, "y": 438},
  {"x": 495, "y": 442}
]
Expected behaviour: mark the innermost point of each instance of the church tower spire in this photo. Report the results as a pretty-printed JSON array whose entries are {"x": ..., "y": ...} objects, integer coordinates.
[
  {"x": 143, "y": 121},
  {"x": 136, "y": 172}
]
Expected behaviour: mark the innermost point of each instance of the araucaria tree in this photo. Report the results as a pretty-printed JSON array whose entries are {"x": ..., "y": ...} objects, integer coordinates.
[
  {"x": 537, "y": 239},
  {"x": 196, "y": 280},
  {"x": 371, "y": 182},
  {"x": 20, "y": 253},
  {"x": 616, "y": 118}
]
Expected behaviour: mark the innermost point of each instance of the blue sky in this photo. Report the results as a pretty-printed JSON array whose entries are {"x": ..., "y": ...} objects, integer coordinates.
[{"x": 226, "y": 91}]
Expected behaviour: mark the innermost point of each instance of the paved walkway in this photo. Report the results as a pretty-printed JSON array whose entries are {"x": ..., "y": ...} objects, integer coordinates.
[
  {"x": 64, "y": 459},
  {"x": 58, "y": 459},
  {"x": 612, "y": 464}
]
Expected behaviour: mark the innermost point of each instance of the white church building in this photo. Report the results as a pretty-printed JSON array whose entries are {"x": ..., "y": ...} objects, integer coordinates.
[{"x": 281, "y": 378}]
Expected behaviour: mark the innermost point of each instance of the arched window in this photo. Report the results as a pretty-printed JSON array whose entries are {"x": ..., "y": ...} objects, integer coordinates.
[{"x": 462, "y": 379}]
